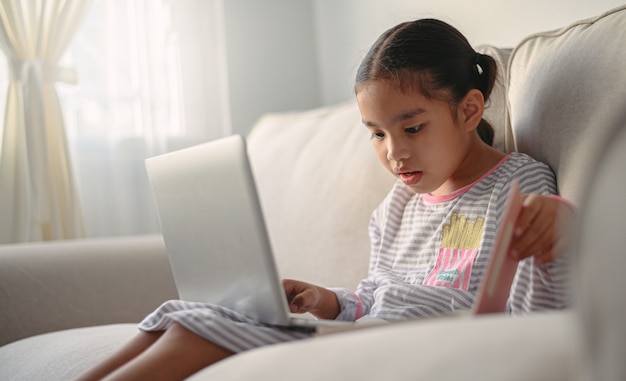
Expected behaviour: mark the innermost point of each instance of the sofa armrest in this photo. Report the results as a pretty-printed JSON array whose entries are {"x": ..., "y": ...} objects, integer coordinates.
[{"x": 49, "y": 286}]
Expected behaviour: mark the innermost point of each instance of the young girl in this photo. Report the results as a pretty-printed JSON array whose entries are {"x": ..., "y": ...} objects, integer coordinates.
[{"x": 421, "y": 91}]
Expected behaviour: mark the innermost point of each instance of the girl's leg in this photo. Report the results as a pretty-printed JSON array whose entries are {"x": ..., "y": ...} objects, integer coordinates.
[
  {"x": 132, "y": 349},
  {"x": 177, "y": 354}
]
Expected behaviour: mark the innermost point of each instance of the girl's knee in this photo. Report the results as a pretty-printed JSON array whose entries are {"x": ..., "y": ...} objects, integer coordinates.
[{"x": 177, "y": 335}]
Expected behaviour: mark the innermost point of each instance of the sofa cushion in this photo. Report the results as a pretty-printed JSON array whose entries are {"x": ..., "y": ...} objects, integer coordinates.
[
  {"x": 562, "y": 84},
  {"x": 491, "y": 348},
  {"x": 61, "y": 355},
  {"x": 494, "y": 347}
]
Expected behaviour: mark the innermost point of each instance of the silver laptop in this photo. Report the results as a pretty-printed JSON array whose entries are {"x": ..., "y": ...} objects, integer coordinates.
[
  {"x": 218, "y": 246},
  {"x": 215, "y": 234}
]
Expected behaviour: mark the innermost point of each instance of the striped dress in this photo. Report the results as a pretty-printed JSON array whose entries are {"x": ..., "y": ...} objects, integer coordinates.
[{"x": 428, "y": 255}]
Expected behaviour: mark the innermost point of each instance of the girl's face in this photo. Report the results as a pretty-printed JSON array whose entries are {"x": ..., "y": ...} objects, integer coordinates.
[{"x": 417, "y": 139}]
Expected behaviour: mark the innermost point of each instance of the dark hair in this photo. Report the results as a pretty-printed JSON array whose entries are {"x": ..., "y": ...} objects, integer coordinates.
[{"x": 434, "y": 58}]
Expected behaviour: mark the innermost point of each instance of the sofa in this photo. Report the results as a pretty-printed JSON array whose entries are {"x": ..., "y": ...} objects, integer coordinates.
[{"x": 560, "y": 97}]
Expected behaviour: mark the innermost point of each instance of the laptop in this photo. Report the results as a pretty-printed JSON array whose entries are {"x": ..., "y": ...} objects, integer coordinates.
[{"x": 217, "y": 242}]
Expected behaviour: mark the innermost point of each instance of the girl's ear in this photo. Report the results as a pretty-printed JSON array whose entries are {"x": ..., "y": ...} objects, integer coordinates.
[{"x": 471, "y": 109}]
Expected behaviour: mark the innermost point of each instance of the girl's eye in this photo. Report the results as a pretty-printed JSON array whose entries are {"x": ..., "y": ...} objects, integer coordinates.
[
  {"x": 378, "y": 135},
  {"x": 413, "y": 130}
]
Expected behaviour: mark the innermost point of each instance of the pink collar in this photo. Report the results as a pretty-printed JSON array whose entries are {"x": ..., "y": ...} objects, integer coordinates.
[{"x": 435, "y": 199}]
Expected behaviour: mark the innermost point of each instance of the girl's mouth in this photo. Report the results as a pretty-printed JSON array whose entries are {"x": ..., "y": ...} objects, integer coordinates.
[{"x": 410, "y": 178}]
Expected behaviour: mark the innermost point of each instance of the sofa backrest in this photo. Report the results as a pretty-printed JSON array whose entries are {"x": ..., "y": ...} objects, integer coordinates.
[
  {"x": 562, "y": 85},
  {"x": 319, "y": 180},
  {"x": 567, "y": 107}
]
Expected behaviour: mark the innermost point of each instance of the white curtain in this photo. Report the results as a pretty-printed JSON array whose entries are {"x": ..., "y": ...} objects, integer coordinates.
[
  {"x": 152, "y": 80},
  {"x": 38, "y": 198}
]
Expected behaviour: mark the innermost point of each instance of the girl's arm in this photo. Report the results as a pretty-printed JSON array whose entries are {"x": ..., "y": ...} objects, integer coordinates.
[
  {"x": 354, "y": 305},
  {"x": 400, "y": 301},
  {"x": 328, "y": 303}
]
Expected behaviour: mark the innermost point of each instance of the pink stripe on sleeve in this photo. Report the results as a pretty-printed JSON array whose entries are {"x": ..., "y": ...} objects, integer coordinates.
[{"x": 359, "y": 307}]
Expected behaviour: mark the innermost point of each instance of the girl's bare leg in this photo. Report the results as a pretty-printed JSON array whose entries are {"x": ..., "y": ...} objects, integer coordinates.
[
  {"x": 177, "y": 354},
  {"x": 132, "y": 349}
]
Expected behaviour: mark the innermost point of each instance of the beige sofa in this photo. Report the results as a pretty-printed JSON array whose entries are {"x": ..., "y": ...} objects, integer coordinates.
[{"x": 561, "y": 98}]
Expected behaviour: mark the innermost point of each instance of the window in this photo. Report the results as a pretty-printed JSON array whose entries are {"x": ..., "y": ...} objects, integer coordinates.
[{"x": 151, "y": 79}]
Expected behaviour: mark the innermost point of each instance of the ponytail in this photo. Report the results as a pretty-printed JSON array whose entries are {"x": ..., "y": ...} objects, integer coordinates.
[
  {"x": 486, "y": 71},
  {"x": 485, "y": 131}
]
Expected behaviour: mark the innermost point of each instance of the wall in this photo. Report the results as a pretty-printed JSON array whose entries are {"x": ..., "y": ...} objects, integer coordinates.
[
  {"x": 271, "y": 58},
  {"x": 300, "y": 54},
  {"x": 346, "y": 28}
]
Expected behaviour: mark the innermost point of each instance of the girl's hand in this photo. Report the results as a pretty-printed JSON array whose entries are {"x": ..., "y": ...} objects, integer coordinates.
[
  {"x": 541, "y": 228},
  {"x": 304, "y": 297}
]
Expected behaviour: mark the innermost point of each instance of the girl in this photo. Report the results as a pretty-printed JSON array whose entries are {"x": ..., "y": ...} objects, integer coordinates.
[{"x": 421, "y": 91}]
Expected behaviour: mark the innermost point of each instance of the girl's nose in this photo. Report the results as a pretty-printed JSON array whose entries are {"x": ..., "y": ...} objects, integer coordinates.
[{"x": 397, "y": 150}]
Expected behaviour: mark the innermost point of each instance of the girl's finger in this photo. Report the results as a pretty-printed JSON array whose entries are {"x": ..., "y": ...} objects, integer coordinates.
[{"x": 534, "y": 239}]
